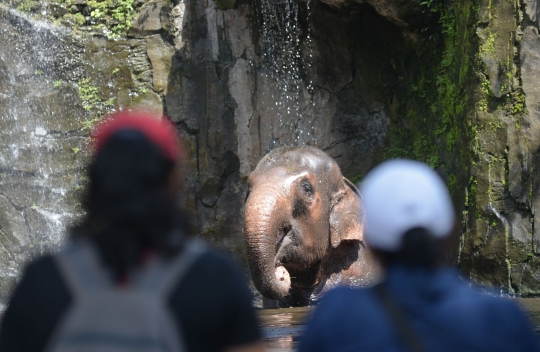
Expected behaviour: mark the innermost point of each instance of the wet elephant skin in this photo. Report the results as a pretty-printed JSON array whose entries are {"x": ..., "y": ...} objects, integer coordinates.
[{"x": 303, "y": 228}]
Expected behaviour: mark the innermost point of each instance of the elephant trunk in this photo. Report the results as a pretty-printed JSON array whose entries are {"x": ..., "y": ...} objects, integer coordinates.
[{"x": 265, "y": 224}]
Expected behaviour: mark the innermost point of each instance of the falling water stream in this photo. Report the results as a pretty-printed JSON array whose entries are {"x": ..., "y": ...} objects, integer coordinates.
[
  {"x": 287, "y": 53},
  {"x": 39, "y": 159}
]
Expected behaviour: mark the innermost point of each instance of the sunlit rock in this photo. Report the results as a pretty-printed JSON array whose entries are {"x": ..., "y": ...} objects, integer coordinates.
[
  {"x": 153, "y": 16},
  {"x": 160, "y": 55}
]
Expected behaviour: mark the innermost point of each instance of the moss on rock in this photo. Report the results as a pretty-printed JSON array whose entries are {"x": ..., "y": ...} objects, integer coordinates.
[{"x": 225, "y": 4}]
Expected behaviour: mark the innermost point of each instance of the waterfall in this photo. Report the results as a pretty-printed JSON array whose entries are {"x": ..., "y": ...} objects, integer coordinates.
[
  {"x": 41, "y": 155},
  {"x": 286, "y": 53}
]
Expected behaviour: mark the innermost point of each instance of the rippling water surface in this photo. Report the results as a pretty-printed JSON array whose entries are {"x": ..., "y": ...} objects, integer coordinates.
[{"x": 282, "y": 327}]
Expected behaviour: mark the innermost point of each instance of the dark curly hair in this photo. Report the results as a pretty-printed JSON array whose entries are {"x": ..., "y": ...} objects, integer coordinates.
[
  {"x": 419, "y": 248},
  {"x": 129, "y": 208}
]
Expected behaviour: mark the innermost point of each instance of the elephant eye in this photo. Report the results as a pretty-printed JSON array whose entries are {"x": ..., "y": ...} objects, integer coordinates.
[{"x": 308, "y": 189}]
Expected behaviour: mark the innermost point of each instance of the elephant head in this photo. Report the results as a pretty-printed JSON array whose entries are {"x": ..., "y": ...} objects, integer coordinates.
[{"x": 298, "y": 208}]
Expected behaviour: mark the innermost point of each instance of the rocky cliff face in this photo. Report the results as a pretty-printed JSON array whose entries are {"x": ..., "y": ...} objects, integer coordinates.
[
  {"x": 364, "y": 81},
  {"x": 502, "y": 233}
]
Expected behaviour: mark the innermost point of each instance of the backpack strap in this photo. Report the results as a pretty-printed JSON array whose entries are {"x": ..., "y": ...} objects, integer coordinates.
[
  {"x": 406, "y": 333},
  {"x": 84, "y": 273},
  {"x": 160, "y": 278},
  {"x": 81, "y": 268}
]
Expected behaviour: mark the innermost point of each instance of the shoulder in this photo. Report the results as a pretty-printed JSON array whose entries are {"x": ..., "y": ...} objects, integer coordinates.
[
  {"x": 472, "y": 300},
  {"x": 503, "y": 308},
  {"x": 214, "y": 267},
  {"x": 41, "y": 274},
  {"x": 41, "y": 266},
  {"x": 213, "y": 300},
  {"x": 213, "y": 280},
  {"x": 209, "y": 270},
  {"x": 35, "y": 308},
  {"x": 345, "y": 317},
  {"x": 343, "y": 297},
  {"x": 42, "y": 283}
]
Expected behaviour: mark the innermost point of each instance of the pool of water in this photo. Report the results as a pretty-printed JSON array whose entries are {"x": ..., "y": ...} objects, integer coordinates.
[{"x": 282, "y": 328}]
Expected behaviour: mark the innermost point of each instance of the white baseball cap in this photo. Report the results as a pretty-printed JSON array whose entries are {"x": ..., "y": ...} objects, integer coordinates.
[{"x": 400, "y": 195}]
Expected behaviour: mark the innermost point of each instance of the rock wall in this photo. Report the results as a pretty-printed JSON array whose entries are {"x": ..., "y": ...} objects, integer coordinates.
[
  {"x": 365, "y": 81},
  {"x": 502, "y": 233}
]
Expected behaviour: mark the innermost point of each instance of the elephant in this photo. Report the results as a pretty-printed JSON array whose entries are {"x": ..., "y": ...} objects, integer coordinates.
[{"x": 303, "y": 228}]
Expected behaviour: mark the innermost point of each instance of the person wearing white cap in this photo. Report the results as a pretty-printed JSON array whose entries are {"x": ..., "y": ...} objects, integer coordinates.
[{"x": 422, "y": 304}]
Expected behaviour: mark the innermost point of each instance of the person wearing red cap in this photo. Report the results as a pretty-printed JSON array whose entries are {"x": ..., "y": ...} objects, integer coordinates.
[{"x": 131, "y": 278}]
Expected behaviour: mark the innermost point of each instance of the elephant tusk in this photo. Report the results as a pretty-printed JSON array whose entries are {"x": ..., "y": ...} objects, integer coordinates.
[{"x": 283, "y": 278}]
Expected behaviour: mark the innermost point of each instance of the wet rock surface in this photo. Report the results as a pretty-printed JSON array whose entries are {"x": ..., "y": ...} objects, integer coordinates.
[
  {"x": 501, "y": 238},
  {"x": 41, "y": 147}
]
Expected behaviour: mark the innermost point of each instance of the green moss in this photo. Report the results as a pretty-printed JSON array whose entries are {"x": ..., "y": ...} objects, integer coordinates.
[
  {"x": 115, "y": 15},
  {"x": 489, "y": 45},
  {"x": 452, "y": 183},
  {"x": 433, "y": 105},
  {"x": 517, "y": 103},
  {"x": 110, "y": 102},
  {"x": 76, "y": 19},
  {"x": 89, "y": 124},
  {"x": 112, "y": 18},
  {"x": 453, "y": 74},
  {"x": 440, "y": 127},
  {"x": 93, "y": 103},
  {"x": 27, "y": 6},
  {"x": 225, "y": 4},
  {"x": 88, "y": 93}
]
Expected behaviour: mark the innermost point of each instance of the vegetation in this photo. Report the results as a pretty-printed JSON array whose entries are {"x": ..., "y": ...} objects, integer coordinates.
[
  {"x": 28, "y": 5},
  {"x": 111, "y": 17},
  {"x": 92, "y": 102},
  {"x": 74, "y": 19},
  {"x": 225, "y": 4},
  {"x": 88, "y": 93},
  {"x": 115, "y": 15},
  {"x": 440, "y": 101}
]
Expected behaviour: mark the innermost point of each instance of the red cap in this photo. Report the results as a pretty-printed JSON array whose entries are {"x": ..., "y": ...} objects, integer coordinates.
[{"x": 157, "y": 128}]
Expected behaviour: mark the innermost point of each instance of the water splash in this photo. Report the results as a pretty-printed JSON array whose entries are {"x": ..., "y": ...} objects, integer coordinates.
[{"x": 287, "y": 52}]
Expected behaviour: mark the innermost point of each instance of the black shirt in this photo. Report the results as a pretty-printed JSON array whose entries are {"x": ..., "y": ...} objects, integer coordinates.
[{"x": 211, "y": 303}]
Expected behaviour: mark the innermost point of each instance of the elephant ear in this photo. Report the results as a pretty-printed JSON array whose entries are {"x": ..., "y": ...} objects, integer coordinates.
[{"x": 347, "y": 216}]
